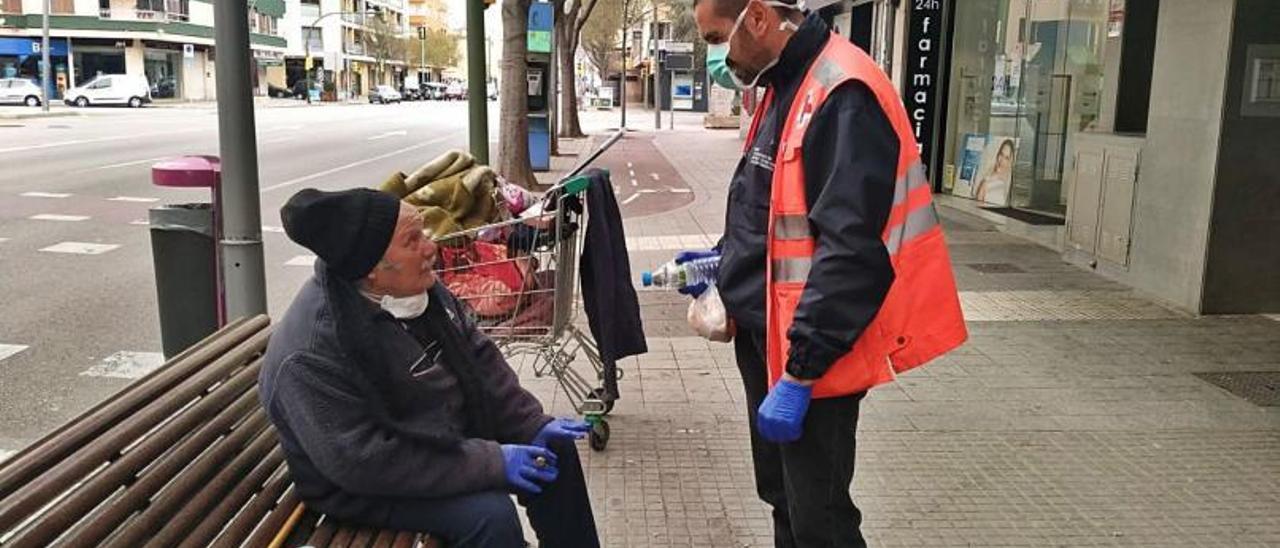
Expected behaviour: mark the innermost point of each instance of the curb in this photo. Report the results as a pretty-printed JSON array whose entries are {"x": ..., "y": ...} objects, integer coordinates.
[{"x": 37, "y": 115}]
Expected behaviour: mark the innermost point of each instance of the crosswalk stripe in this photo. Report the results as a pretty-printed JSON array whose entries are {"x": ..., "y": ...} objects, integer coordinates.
[
  {"x": 9, "y": 350},
  {"x": 80, "y": 248},
  {"x": 60, "y": 218},
  {"x": 301, "y": 260},
  {"x": 45, "y": 195},
  {"x": 136, "y": 199}
]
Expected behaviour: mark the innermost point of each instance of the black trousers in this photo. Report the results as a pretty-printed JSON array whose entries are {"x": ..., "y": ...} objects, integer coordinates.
[
  {"x": 807, "y": 481},
  {"x": 561, "y": 515}
]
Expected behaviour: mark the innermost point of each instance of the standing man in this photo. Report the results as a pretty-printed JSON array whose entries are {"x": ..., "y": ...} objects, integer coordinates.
[{"x": 833, "y": 264}]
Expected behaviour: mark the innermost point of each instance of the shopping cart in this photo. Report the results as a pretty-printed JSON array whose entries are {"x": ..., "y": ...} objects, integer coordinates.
[{"x": 519, "y": 279}]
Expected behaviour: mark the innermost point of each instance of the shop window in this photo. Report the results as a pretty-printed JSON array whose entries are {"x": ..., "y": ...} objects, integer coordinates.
[
  {"x": 67, "y": 7},
  {"x": 11, "y": 6}
]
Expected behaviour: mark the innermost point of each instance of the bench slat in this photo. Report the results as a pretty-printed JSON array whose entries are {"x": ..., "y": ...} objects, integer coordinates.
[
  {"x": 272, "y": 525},
  {"x": 363, "y": 538},
  {"x": 59, "y": 518},
  {"x": 214, "y": 521},
  {"x": 323, "y": 534},
  {"x": 55, "y": 481},
  {"x": 209, "y": 492},
  {"x": 46, "y": 453},
  {"x": 254, "y": 513},
  {"x": 343, "y": 537},
  {"x": 172, "y": 497}
]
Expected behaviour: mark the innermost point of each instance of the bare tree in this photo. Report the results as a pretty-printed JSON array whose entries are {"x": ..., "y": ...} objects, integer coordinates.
[
  {"x": 571, "y": 16},
  {"x": 385, "y": 43},
  {"x": 601, "y": 36},
  {"x": 513, "y": 124}
]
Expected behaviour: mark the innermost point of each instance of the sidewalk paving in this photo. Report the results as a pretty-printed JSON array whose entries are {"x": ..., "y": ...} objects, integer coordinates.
[{"x": 1073, "y": 417}]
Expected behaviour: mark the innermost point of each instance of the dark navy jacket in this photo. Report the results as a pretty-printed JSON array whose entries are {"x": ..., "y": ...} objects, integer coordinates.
[{"x": 850, "y": 156}]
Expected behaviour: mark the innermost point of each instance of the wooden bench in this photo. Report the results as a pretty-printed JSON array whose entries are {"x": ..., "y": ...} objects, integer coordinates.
[{"x": 183, "y": 457}]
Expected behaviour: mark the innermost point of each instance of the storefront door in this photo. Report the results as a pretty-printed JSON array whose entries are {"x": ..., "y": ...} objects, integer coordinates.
[{"x": 163, "y": 72}]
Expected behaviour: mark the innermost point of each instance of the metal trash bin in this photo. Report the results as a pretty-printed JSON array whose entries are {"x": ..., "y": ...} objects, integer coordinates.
[{"x": 184, "y": 251}]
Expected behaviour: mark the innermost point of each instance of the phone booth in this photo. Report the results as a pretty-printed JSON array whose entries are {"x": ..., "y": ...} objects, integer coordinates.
[{"x": 541, "y": 17}]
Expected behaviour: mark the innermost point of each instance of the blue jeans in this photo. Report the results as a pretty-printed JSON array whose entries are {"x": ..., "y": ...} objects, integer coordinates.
[{"x": 561, "y": 515}]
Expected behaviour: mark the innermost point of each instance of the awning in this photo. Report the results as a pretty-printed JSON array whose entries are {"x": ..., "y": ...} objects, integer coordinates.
[{"x": 273, "y": 8}]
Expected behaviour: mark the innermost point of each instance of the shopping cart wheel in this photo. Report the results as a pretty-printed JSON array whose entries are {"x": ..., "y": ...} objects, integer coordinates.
[
  {"x": 600, "y": 394},
  {"x": 599, "y": 437}
]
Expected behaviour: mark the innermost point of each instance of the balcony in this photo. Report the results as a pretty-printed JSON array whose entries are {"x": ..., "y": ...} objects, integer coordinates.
[{"x": 354, "y": 49}]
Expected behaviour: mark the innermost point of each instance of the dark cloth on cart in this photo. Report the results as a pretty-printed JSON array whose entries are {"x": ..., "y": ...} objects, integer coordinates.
[{"x": 608, "y": 295}]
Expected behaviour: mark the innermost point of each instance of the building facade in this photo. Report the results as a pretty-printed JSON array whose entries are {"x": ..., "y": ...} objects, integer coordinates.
[
  {"x": 350, "y": 46},
  {"x": 1136, "y": 137},
  {"x": 171, "y": 42}
]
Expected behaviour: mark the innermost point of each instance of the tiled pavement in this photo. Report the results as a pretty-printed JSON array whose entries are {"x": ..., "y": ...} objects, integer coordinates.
[{"x": 1071, "y": 418}]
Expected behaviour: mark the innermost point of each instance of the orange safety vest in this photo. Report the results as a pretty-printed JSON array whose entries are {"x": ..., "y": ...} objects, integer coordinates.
[{"x": 921, "y": 317}]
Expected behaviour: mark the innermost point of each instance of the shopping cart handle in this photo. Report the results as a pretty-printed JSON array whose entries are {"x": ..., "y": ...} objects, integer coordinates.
[{"x": 576, "y": 185}]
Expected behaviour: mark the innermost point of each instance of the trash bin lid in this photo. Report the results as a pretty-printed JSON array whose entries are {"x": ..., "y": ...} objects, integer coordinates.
[
  {"x": 197, "y": 218},
  {"x": 188, "y": 172}
]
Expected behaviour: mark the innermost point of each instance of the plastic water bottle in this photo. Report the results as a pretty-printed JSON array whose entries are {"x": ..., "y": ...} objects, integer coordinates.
[{"x": 677, "y": 276}]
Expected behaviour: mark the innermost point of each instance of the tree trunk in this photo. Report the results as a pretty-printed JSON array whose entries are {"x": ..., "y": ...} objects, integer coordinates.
[
  {"x": 567, "y": 42},
  {"x": 513, "y": 127}
]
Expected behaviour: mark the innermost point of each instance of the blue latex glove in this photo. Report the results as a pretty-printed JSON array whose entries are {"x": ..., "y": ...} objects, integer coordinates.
[
  {"x": 527, "y": 466},
  {"x": 694, "y": 290},
  {"x": 561, "y": 429},
  {"x": 781, "y": 415}
]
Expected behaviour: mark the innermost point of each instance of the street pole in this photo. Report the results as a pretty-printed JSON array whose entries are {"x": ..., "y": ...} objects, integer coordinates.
[
  {"x": 243, "y": 272},
  {"x": 622, "y": 78},
  {"x": 657, "y": 76},
  {"x": 44, "y": 57},
  {"x": 477, "y": 83}
]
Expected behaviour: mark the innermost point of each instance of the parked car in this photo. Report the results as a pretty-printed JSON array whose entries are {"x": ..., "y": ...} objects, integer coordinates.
[
  {"x": 278, "y": 92},
  {"x": 455, "y": 92},
  {"x": 410, "y": 93},
  {"x": 433, "y": 91},
  {"x": 20, "y": 90},
  {"x": 110, "y": 89},
  {"x": 384, "y": 94}
]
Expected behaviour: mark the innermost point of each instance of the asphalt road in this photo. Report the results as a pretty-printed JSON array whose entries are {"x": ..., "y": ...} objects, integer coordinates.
[{"x": 67, "y": 317}]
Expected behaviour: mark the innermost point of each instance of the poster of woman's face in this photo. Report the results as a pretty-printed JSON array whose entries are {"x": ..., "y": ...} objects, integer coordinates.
[{"x": 986, "y": 170}]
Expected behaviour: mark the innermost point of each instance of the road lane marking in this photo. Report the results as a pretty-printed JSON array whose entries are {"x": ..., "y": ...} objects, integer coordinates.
[
  {"x": 45, "y": 195},
  {"x": 124, "y": 164},
  {"x": 126, "y": 365},
  {"x": 275, "y": 229},
  {"x": 630, "y": 165},
  {"x": 655, "y": 176},
  {"x": 10, "y": 350},
  {"x": 396, "y": 133},
  {"x": 97, "y": 140},
  {"x": 3, "y": 240},
  {"x": 679, "y": 190},
  {"x": 61, "y": 218},
  {"x": 301, "y": 260},
  {"x": 133, "y": 199},
  {"x": 357, "y": 163},
  {"x": 647, "y": 191},
  {"x": 631, "y": 199},
  {"x": 140, "y": 222},
  {"x": 80, "y": 248}
]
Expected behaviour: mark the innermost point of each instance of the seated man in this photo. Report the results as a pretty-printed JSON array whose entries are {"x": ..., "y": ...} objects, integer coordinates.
[{"x": 393, "y": 410}]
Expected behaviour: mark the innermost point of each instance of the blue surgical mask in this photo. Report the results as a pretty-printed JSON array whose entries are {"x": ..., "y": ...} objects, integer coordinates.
[{"x": 717, "y": 68}]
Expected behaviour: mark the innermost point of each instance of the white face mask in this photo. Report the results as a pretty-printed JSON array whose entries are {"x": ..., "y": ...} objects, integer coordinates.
[
  {"x": 406, "y": 308},
  {"x": 739, "y": 79}
]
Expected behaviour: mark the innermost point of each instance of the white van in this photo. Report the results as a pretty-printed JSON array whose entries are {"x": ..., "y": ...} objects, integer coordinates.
[{"x": 111, "y": 89}]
